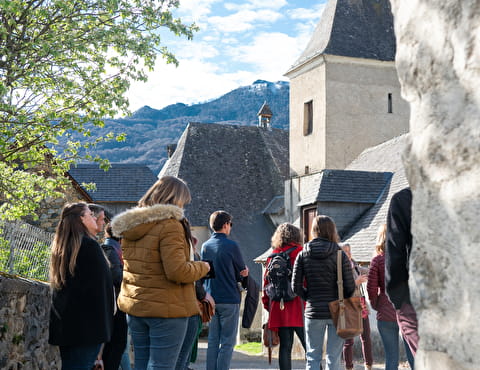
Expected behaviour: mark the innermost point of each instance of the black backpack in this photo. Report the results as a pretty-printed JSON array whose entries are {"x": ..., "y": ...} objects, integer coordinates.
[{"x": 279, "y": 277}]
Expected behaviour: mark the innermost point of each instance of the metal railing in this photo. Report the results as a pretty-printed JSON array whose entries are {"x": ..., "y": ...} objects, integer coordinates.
[{"x": 24, "y": 250}]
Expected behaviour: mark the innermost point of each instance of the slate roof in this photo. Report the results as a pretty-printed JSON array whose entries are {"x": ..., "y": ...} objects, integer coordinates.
[
  {"x": 276, "y": 206},
  {"x": 121, "y": 183},
  {"x": 384, "y": 157},
  {"x": 265, "y": 110},
  {"x": 239, "y": 169},
  {"x": 347, "y": 186},
  {"x": 359, "y": 29}
]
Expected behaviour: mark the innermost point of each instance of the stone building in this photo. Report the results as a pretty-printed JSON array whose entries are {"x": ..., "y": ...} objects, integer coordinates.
[
  {"x": 117, "y": 189},
  {"x": 383, "y": 158},
  {"x": 239, "y": 169},
  {"x": 344, "y": 98},
  {"x": 437, "y": 62}
]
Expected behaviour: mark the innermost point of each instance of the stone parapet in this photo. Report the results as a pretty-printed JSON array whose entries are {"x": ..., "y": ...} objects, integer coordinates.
[{"x": 24, "y": 317}]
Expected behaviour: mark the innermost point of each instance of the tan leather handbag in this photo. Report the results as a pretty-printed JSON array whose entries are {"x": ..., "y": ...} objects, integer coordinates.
[{"x": 346, "y": 312}]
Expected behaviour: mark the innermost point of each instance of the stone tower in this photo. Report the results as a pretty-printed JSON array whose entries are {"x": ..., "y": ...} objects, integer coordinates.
[
  {"x": 264, "y": 116},
  {"x": 344, "y": 89}
]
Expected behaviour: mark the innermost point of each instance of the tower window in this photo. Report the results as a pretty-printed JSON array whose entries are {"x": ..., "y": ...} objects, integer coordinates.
[
  {"x": 308, "y": 118},
  {"x": 390, "y": 103}
]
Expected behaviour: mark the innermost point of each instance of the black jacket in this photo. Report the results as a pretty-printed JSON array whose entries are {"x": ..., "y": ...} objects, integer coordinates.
[
  {"x": 116, "y": 266},
  {"x": 251, "y": 301},
  {"x": 316, "y": 265},
  {"x": 200, "y": 291},
  {"x": 82, "y": 311},
  {"x": 398, "y": 247}
]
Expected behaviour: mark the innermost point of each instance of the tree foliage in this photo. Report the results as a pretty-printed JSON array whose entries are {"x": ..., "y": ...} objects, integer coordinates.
[
  {"x": 31, "y": 263},
  {"x": 65, "y": 63}
]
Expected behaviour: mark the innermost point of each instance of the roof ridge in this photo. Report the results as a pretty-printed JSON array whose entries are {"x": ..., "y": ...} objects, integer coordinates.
[{"x": 359, "y": 29}]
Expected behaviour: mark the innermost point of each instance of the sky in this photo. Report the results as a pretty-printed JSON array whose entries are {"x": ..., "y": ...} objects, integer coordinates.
[{"x": 239, "y": 42}]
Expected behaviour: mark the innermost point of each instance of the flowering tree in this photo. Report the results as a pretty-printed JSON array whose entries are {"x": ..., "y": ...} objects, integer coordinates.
[{"x": 64, "y": 63}]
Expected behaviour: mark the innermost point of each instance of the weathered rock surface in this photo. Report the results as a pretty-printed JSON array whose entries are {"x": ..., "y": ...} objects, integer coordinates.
[
  {"x": 438, "y": 62},
  {"x": 24, "y": 316}
]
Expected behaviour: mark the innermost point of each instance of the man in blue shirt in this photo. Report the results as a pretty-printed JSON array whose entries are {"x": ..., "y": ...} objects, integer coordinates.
[{"x": 229, "y": 267}]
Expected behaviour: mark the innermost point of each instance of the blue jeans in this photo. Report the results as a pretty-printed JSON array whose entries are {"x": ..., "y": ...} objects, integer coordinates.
[
  {"x": 314, "y": 335},
  {"x": 408, "y": 352},
  {"x": 156, "y": 341},
  {"x": 222, "y": 334},
  {"x": 125, "y": 362},
  {"x": 79, "y": 357},
  {"x": 389, "y": 333},
  {"x": 190, "y": 336}
]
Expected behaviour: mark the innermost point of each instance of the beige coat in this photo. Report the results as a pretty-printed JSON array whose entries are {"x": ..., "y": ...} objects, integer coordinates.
[{"x": 158, "y": 275}]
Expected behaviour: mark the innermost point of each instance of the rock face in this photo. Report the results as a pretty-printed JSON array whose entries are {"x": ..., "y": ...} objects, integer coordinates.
[
  {"x": 438, "y": 63},
  {"x": 24, "y": 316}
]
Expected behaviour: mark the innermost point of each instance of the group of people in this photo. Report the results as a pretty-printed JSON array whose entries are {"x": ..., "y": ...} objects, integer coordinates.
[
  {"x": 314, "y": 281},
  {"x": 149, "y": 274}
]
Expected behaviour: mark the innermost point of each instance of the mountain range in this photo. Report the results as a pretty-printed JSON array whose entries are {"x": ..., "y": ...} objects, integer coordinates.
[{"x": 150, "y": 130}]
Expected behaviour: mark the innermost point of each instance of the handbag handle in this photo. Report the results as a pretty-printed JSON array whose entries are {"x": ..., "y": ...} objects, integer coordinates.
[{"x": 339, "y": 275}]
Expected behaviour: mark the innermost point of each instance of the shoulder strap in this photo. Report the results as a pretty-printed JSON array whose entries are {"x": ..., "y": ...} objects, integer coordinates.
[
  {"x": 339, "y": 275},
  {"x": 287, "y": 252},
  {"x": 290, "y": 250}
]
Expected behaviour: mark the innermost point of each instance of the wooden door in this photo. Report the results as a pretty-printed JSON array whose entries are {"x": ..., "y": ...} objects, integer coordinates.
[{"x": 308, "y": 216}]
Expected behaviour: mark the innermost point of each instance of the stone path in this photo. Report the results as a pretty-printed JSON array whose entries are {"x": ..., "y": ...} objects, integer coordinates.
[{"x": 242, "y": 361}]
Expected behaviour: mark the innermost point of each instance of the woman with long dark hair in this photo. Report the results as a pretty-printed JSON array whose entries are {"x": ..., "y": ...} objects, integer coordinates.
[
  {"x": 82, "y": 307},
  {"x": 157, "y": 291},
  {"x": 386, "y": 316},
  {"x": 315, "y": 281}
]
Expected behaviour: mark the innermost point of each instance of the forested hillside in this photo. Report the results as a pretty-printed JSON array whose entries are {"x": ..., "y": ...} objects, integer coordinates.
[{"x": 150, "y": 130}]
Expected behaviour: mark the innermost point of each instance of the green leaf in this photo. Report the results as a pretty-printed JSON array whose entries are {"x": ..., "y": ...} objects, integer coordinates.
[{"x": 65, "y": 63}]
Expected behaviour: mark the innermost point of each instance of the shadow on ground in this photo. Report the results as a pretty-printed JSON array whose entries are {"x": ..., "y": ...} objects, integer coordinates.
[{"x": 242, "y": 361}]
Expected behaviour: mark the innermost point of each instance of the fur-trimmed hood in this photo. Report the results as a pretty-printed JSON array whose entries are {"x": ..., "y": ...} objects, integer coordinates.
[{"x": 133, "y": 221}]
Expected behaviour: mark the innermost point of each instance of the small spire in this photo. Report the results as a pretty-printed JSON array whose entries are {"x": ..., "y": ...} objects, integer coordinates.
[{"x": 264, "y": 116}]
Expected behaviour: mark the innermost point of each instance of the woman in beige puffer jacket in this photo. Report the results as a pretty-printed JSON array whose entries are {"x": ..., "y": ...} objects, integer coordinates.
[{"x": 157, "y": 290}]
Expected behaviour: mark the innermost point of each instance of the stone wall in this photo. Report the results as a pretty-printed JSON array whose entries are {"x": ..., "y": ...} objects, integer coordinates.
[
  {"x": 438, "y": 62},
  {"x": 357, "y": 101},
  {"x": 50, "y": 209},
  {"x": 349, "y": 95},
  {"x": 24, "y": 316}
]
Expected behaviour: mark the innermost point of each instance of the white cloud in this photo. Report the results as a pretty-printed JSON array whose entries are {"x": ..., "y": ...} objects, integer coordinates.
[
  {"x": 192, "y": 82},
  {"x": 256, "y": 4},
  {"x": 195, "y": 10},
  {"x": 312, "y": 13},
  {"x": 243, "y": 20},
  {"x": 270, "y": 54},
  {"x": 199, "y": 50},
  {"x": 223, "y": 56},
  {"x": 273, "y": 4}
]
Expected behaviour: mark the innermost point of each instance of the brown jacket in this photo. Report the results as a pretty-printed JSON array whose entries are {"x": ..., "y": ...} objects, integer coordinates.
[{"x": 158, "y": 275}]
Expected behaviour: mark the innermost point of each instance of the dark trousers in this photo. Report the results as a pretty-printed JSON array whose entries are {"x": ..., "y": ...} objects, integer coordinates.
[
  {"x": 285, "y": 335},
  {"x": 408, "y": 323},
  {"x": 113, "y": 350},
  {"x": 366, "y": 347},
  {"x": 79, "y": 357}
]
